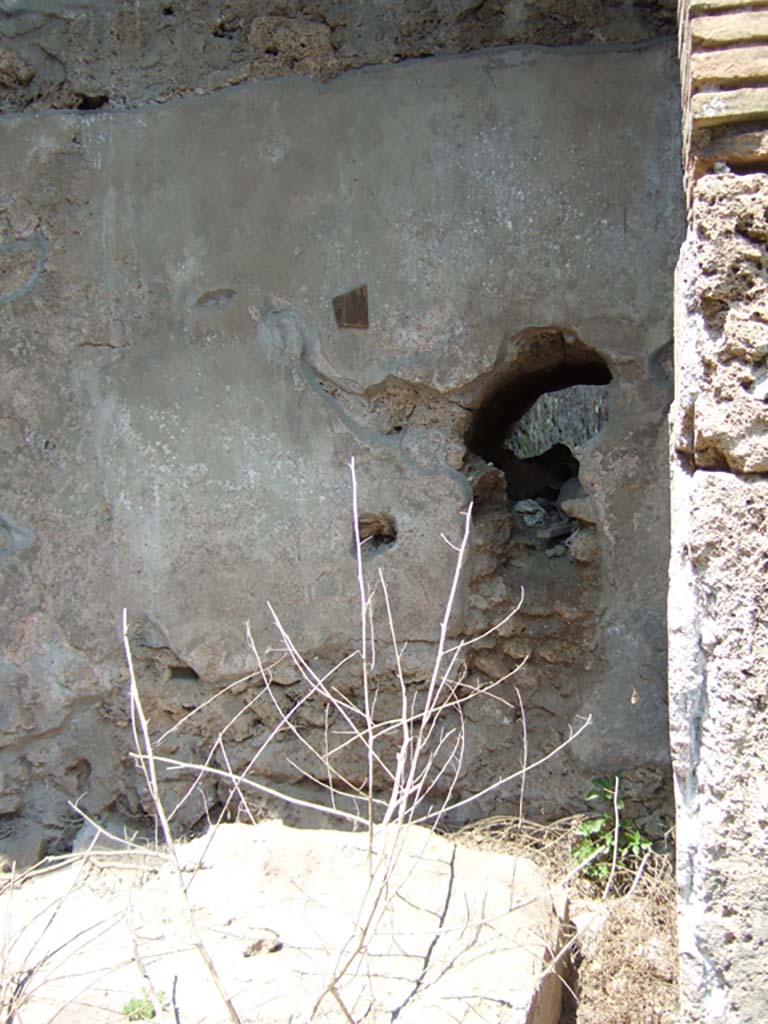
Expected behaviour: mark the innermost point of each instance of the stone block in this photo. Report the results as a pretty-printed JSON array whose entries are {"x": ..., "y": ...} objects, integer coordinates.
[
  {"x": 460, "y": 934},
  {"x": 742, "y": 149},
  {"x": 713, "y": 6},
  {"x": 583, "y": 546},
  {"x": 14, "y": 70},
  {"x": 732, "y": 434},
  {"x": 582, "y": 509},
  {"x": 723, "y": 29},
  {"x": 713, "y": 108},
  {"x": 724, "y": 67}
]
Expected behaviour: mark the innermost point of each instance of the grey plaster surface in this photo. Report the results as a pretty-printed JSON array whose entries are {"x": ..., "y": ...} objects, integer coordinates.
[{"x": 188, "y": 458}]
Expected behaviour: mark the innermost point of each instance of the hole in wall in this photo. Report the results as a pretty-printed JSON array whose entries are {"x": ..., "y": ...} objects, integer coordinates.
[
  {"x": 215, "y": 298},
  {"x": 532, "y": 424},
  {"x": 86, "y": 102},
  {"x": 77, "y": 775},
  {"x": 184, "y": 674},
  {"x": 226, "y": 28},
  {"x": 376, "y": 530}
]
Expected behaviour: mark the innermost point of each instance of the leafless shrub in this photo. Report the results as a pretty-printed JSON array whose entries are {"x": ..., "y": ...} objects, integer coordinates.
[{"x": 413, "y": 758}]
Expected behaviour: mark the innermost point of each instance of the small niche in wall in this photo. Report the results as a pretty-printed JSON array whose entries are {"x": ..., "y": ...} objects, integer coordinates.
[
  {"x": 376, "y": 531},
  {"x": 183, "y": 674},
  {"x": 351, "y": 308},
  {"x": 532, "y": 425}
]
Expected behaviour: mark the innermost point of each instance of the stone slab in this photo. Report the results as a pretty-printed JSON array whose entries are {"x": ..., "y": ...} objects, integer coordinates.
[
  {"x": 729, "y": 66},
  {"x": 732, "y": 105},
  {"x": 737, "y": 148},
  {"x": 739, "y": 27},
  {"x": 459, "y": 934}
]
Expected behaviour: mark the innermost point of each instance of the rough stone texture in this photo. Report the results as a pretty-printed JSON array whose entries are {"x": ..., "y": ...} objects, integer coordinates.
[
  {"x": 14, "y": 71},
  {"x": 179, "y": 408},
  {"x": 729, "y": 106},
  {"x": 737, "y": 150},
  {"x": 460, "y": 934},
  {"x": 88, "y": 54},
  {"x": 727, "y": 67},
  {"x": 718, "y": 642},
  {"x": 729, "y": 28},
  {"x": 571, "y": 417}
]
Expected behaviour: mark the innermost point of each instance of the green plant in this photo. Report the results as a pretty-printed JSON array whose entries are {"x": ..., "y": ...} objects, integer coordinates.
[
  {"x": 140, "y": 1007},
  {"x": 606, "y": 841}
]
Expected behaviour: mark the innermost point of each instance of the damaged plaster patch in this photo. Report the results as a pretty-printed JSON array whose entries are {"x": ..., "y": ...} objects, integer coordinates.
[
  {"x": 21, "y": 266},
  {"x": 552, "y": 549},
  {"x": 297, "y": 46},
  {"x": 92, "y": 56},
  {"x": 215, "y": 299},
  {"x": 421, "y": 426}
]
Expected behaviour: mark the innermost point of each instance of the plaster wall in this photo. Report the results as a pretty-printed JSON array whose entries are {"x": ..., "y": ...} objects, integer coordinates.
[{"x": 178, "y": 408}]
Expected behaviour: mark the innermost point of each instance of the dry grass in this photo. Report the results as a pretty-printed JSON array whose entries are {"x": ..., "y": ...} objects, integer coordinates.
[
  {"x": 628, "y": 969},
  {"x": 547, "y": 845},
  {"x": 624, "y": 956}
]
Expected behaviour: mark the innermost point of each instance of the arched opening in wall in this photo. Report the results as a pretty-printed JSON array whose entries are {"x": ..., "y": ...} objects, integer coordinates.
[{"x": 531, "y": 424}]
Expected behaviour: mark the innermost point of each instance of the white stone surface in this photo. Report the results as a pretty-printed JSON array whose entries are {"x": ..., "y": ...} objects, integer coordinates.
[{"x": 458, "y": 934}]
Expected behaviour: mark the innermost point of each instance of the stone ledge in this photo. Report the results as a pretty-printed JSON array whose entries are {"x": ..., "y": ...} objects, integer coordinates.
[
  {"x": 713, "y": 108},
  {"x": 740, "y": 150},
  {"x": 737, "y": 27},
  {"x": 460, "y": 935},
  {"x": 745, "y": 64},
  {"x": 705, "y": 6}
]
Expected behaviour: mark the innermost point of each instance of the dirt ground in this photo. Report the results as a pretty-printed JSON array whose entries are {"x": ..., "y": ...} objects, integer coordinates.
[{"x": 621, "y": 966}]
